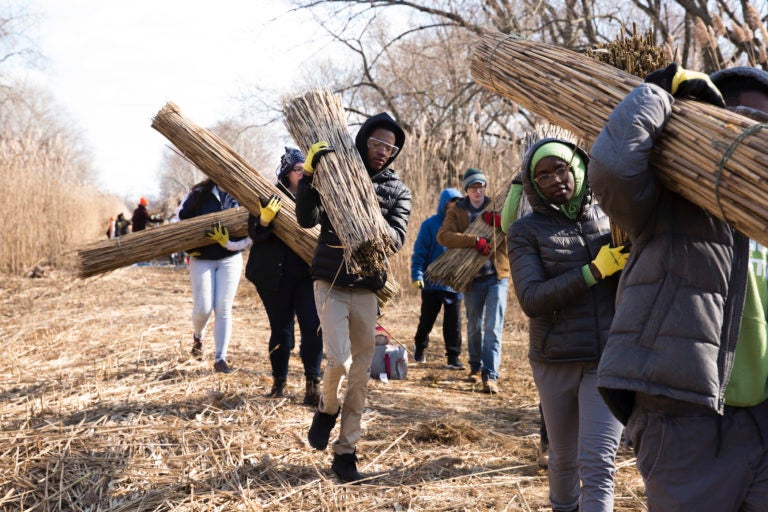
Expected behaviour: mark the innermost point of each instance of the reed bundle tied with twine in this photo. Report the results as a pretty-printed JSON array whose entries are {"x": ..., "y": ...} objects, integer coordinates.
[
  {"x": 458, "y": 266},
  {"x": 712, "y": 157},
  {"x": 214, "y": 157},
  {"x": 342, "y": 181},
  {"x": 107, "y": 255}
]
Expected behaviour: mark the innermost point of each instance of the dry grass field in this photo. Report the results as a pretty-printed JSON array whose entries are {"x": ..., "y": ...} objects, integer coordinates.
[{"x": 102, "y": 409}]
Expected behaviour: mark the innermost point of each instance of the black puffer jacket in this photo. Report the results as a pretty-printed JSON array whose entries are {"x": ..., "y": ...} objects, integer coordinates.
[
  {"x": 394, "y": 201},
  {"x": 569, "y": 320}
]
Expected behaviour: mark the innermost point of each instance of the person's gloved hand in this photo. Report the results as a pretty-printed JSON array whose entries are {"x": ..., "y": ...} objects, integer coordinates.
[
  {"x": 610, "y": 260},
  {"x": 418, "y": 284},
  {"x": 483, "y": 246},
  {"x": 194, "y": 253},
  {"x": 220, "y": 234},
  {"x": 316, "y": 150},
  {"x": 680, "y": 82},
  {"x": 269, "y": 211},
  {"x": 493, "y": 219}
]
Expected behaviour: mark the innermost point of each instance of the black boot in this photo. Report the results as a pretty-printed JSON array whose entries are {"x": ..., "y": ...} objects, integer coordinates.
[
  {"x": 312, "y": 393},
  {"x": 345, "y": 467},
  {"x": 197, "y": 348},
  {"x": 278, "y": 388},
  {"x": 320, "y": 431}
]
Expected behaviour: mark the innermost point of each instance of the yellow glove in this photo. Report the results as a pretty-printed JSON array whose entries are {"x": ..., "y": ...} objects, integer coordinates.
[
  {"x": 680, "y": 82},
  {"x": 418, "y": 284},
  {"x": 610, "y": 260},
  {"x": 316, "y": 150},
  {"x": 269, "y": 211},
  {"x": 220, "y": 234},
  {"x": 194, "y": 253}
]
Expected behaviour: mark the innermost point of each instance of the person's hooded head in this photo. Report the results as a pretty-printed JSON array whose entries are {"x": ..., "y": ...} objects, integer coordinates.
[
  {"x": 555, "y": 173},
  {"x": 143, "y": 201},
  {"x": 288, "y": 161},
  {"x": 446, "y": 196},
  {"x": 745, "y": 91},
  {"x": 379, "y": 141}
]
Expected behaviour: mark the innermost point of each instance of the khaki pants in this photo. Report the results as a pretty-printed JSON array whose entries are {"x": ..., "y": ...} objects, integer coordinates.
[{"x": 348, "y": 320}]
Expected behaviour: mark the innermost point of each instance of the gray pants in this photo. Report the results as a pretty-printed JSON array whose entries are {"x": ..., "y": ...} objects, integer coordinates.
[
  {"x": 583, "y": 437},
  {"x": 693, "y": 459},
  {"x": 348, "y": 319}
]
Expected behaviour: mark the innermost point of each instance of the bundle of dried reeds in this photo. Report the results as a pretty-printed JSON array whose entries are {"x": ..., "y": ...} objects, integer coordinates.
[
  {"x": 637, "y": 55},
  {"x": 146, "y": 245},
  {"x": 457, "y": 267},
  {"x": 341, "y": 180},
  {"x": 221, "y": 163},
  {"x": 711, "y": 156}
]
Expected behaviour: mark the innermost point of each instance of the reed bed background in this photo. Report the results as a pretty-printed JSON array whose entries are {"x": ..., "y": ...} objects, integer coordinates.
[{"x": 342, "y": 181}]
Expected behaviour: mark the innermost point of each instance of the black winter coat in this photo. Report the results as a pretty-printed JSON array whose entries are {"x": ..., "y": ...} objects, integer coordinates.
[
  {"x": 569, "y": 320},
  {"x": 394, "y": 201}
]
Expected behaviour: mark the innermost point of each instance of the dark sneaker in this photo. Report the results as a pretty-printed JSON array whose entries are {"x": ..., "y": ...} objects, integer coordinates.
[
  {"x": 197, "y": 348},
  {"x": 345, "y": 467},
  {"x": 312, "y": 391},
  {"x": 418, "y": 355},
  {"x": 221, "y": 366},
  {"x": 320, "y": 431},
  {"x": 474, "y": 375},
  {"x": 454, "y": 364},
  {"x": 278, "y": 389}
]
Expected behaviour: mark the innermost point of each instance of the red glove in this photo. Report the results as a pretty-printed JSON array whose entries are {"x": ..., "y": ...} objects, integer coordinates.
[
  {"x": 493, "y": 219},
  {"x": 483, "y": 246}
]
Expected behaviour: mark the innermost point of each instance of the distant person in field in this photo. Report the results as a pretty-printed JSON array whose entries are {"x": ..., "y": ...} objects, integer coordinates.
[
  {"x": 122, "y": 225},
  {"x": 284, "y": 283},
  {"x": 563, "y": 269},
  {"x": 434, "y": 297},
  {"x": 346, "y": 301},
  {"x": 485, "y": 298},
  {"x": 214, "y": 272},
  {"x": 140, "y": 216},
  {"x": 111, "y": 228}
]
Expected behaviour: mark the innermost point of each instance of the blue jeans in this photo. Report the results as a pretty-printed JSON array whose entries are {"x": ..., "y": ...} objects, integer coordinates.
[
  {"x": 486, "y": 302},
  {"x": 214, "y": 284}
]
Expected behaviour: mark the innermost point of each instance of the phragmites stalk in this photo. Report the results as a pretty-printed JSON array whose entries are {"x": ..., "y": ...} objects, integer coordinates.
[
  {"x": 708, "y": 155},
  {"x": 752, "y": 17},
  {"x": 718, "y": 25},
  {"x": 702, "y": 35},
  {"x": 635, "y": 54},
  {"x": 342, "y": 181}
]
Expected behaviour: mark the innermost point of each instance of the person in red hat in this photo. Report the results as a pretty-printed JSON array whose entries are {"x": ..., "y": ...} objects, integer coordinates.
[{"x": 140, "y": 216}]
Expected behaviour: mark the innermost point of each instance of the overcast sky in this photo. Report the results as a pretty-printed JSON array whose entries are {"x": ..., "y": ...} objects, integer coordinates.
[{"x": 112, "y": 65}]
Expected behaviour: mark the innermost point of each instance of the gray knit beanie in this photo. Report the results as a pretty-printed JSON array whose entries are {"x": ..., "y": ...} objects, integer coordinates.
[{"x": 472, "y": 176}]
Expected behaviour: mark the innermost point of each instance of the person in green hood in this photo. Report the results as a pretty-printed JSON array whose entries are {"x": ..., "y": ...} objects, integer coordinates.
[{"x": 563, "y": 270}]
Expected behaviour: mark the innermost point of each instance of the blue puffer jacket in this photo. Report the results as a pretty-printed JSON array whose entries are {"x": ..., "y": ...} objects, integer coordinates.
[
  {"x": 425, "y": 248},
  {"x": 569, "y": 320},
  {"x": 195, "y": 205},
  {"x": 682, "y": 291}
]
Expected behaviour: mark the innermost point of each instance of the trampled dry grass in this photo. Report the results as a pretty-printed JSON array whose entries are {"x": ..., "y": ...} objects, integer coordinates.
[{"x": 102, "y": 409}]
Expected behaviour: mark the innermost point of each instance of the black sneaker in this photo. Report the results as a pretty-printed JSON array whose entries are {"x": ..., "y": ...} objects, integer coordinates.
[
  {"x": 312, "y": 391},
  {"x": 418, "y": 355},
  {"x": 278, "y": 389},
  {"x": 454, "y": 364},
  {"x": 345, "y": 467},
  {"x": 197, "y": 348},
  {"x": 320, "y": 431},
  {"x": 221, "y": 366}
]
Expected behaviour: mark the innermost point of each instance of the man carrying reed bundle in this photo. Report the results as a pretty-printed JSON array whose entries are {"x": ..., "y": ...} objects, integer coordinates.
[
  {"x": 486, "y": 296},
  {"x": 686, "y": 364},
  {"x": 346, "y": 302}
]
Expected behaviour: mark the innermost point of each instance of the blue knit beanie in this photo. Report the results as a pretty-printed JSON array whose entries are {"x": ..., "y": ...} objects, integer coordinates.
[
  {"x": 472, "y": 176},
  {"x": 291, "y": 157}
]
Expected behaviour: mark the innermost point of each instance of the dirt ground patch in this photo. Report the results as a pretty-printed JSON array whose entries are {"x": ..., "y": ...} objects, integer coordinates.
[{"x": 103, "y": 409}]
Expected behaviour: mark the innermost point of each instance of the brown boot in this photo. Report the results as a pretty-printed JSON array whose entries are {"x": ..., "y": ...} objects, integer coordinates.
[
  {"x": 197, "y": 348},
  {"x": 278, "y": 388},
  {"x": 312, "y": 392}
]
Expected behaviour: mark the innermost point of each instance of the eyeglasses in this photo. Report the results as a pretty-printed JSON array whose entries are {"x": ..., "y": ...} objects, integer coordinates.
[
  {"x": 383, "y": 146},
  {"x": 560, "y": 173},
  {"x": 476, "y": 188},
  {"x": 298, "y": 171}
]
